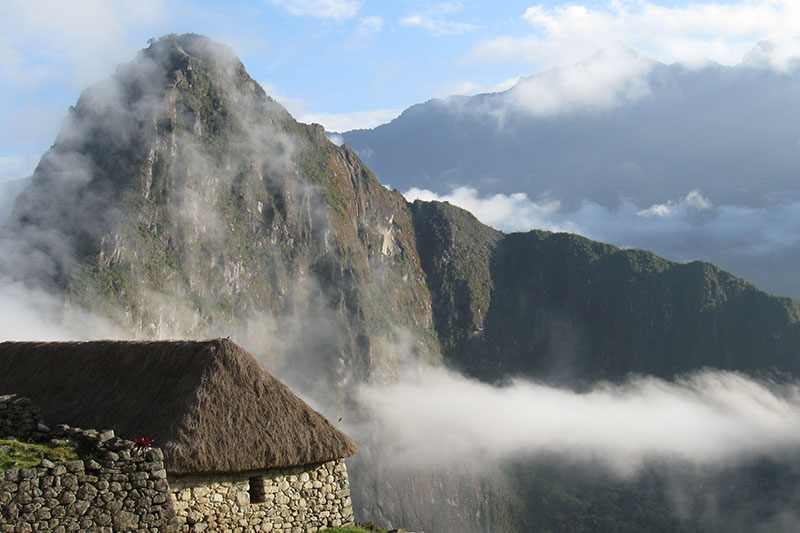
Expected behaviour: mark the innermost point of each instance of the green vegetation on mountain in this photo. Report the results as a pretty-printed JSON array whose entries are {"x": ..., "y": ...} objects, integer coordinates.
[
  {"x": 188, "y": 203},
  {"x": 181, "y": 201},
  {"x": 560, "y": 306}
]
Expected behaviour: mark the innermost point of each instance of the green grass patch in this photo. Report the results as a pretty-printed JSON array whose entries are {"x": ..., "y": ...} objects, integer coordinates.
[
  {"x": 359, "y": 527},
  {"x": 350, "y": 529},
  {"x": 14, "y": 454}
]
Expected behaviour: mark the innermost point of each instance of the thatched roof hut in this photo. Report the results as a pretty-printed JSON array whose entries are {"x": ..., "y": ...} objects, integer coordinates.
[{"x": 208, "y": 404}]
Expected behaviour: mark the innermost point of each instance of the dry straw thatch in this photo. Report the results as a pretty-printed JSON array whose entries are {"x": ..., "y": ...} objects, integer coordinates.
[{"x": 208, "y": 404}]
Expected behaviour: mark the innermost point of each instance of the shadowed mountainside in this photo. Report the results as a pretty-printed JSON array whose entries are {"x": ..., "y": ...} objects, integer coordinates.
[
  {"x": 666, "y": 130},
  {"x": 179, "y": 200}
]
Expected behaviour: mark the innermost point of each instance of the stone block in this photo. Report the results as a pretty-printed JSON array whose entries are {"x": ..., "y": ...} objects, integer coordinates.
[
  {"x": 80, "y": 507},
  {"x": 124, "y": 521},
  {"x": 74, "y": 466}
]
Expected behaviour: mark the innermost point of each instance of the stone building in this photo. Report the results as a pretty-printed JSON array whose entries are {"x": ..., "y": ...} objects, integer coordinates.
[{"x": 242, "y": 452}]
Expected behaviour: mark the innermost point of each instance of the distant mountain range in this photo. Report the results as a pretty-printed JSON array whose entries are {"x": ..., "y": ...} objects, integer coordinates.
[
  {"x": 614, "y": 146},
  {"x": 614, "y": 126},
  {"x": 179, "y": 200}
]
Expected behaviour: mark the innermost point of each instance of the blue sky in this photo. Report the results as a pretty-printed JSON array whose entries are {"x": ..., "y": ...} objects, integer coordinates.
[{"x": 351, "y": 63}]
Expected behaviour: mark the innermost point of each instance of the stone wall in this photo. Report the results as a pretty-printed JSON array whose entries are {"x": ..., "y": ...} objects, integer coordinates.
[
  {"x": 20, "y": 419},
  {"x": 302, "y": 499},
  {"x": 114, "y": 487}
]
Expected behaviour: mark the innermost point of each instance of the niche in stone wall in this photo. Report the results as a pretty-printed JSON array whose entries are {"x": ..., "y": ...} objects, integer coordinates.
[{"x": 257, "y": 490}]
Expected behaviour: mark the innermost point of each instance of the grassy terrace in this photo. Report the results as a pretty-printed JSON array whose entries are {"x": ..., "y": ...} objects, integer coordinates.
[
  {"x": 359, "y": 528},
  {"x": 15, "y": 454}
]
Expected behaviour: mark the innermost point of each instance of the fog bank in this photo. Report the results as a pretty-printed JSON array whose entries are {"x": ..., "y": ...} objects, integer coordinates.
[{"x": 441, "y": 419}]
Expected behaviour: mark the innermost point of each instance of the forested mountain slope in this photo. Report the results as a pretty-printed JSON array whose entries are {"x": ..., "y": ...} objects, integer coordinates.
[{"x": 180, "y": 201}]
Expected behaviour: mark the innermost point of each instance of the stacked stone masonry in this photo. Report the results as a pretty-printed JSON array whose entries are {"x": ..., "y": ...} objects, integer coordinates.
[
  {"x": 114, "y": 487},
  {"x": 19, "y": 418},
  {"x": 302, "y": 499},
  {"x": 117, "y": 486}
]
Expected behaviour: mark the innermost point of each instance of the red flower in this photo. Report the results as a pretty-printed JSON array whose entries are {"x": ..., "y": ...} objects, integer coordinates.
[{"x": 143, "y": 443}]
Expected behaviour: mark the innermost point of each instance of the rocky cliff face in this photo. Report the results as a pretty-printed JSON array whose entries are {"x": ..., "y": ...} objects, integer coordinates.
[
  {"x": 565, "y": 308},
  {"x": 179, "y": 200}
]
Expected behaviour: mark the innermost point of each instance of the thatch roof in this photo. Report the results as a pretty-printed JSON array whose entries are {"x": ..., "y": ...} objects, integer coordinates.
[{"x": 208, "y": 404}]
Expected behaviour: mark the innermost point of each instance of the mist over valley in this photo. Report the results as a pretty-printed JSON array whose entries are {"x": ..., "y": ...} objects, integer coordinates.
[
  {"x": 690, "y": 161},
  {"x": 493, "y": 380}
]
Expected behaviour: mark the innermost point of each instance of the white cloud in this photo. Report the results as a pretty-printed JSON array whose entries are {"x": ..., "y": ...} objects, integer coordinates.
[
  {"x": 748, "y": 241},
  {"x": 515, "y": 212},
  {"x": 439, "y": 27},
  {"x": 324, "y": 9},
  {"x": 338, "y": 122},
  {"x": 441, "y": 419},
  {"x": 609, "y": 78},
  {"x": 16, "y": 167},
  {"x": 295, "y": 106},
  {"x": 369, "y": 26},
  {"x": 336, "y": 139},
  {"x": 469, "y": 88},
  {"x": 720, "y": 32},
  {"x": 350, "y": 121},
  {"x": 43, "y": 40},
  {"x": 35, "y": 315},
  {"x": 693, "y": 200}
]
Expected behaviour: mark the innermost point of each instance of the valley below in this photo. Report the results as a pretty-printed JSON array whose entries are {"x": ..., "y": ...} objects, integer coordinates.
[{"x": 493, "y": 381}]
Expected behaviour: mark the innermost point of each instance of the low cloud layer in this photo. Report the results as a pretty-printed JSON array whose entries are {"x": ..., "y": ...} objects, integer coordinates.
[
  {"x": 28, "y": 314},
  {"x": 506, "y": 212},
  {"x": 612, "y": 77},
  {"x": 442, "y": 419},
  {"x": 350, "y": 121},
  {"x": 754, "y": 243}
]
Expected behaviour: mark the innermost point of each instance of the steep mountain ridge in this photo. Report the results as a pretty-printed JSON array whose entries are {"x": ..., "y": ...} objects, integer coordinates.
[
  {"x": 179, "y": 200},
  {"x": 562, "y": 306}
]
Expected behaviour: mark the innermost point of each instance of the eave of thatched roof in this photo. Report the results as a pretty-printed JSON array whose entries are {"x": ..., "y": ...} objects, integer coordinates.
[{"x": 208, "y": 404}]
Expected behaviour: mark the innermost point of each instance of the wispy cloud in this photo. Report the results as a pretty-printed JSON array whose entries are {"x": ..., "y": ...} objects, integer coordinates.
[
  {"x": 608, "y": 79},
  {"x": 339, "y": 122},
  {"x": 323, "y": 9},
  {"x": 441, "y": 419},
  {"x": 717, "y": 31},
  {"x": 755, "y": 243},
  {"x": 693, "y": 201},
  {"x": 43, "y": 40},
  {"x": 435, "y": 19},
  {"x": 469, "y": 88},
  {"x": 369, "y": 26},
  {"x": 689, "y": 225},
  {"x": 514, "y": 212},
  {"x": 17, "y": 167},
  {"x": 350, "y": 121},
  {"x": 37, "y": 315},
  {"x": 438, "y": 27}
]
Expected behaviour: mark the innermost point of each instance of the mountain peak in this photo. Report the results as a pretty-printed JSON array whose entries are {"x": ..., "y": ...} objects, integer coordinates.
[
  {"x": 174, "y": 46},
  {"x": 616, "y": 53}
]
